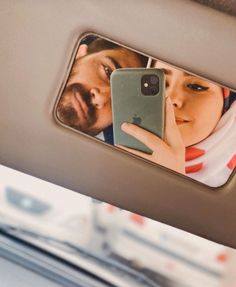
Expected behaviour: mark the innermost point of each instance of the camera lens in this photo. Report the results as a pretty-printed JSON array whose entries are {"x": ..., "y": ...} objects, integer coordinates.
[
  {"x": 153, "y": 80},
  {"x": 150, "y": 84},
  {"x": 154, "y": 90}
]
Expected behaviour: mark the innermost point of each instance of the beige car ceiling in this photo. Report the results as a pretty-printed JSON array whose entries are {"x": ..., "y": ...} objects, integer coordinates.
[{"x": 37, "y": 41}]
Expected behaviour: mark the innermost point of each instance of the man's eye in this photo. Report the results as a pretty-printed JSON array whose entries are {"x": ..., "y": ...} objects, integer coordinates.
[
  {"x": 108, "y": 71},
  {"x": 196, "y": 87}
]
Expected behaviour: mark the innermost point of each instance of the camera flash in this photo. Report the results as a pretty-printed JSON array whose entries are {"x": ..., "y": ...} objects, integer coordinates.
[{"x": 145, "y": 85}]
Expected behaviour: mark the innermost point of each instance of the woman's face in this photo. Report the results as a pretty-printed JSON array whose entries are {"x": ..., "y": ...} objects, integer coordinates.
[{"x": 198, "y": 104}]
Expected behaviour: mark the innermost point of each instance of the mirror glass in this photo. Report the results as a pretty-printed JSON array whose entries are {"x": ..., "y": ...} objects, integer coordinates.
[{"x": 198, "y": 121}]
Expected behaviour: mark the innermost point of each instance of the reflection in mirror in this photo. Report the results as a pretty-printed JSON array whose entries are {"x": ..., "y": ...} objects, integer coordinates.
[
  {"x": 85, "y": 103},
  {"x": 200, "y": 125}
]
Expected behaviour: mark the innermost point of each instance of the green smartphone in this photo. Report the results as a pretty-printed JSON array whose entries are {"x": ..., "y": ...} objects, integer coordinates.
[{"x": 138, "y": 98}]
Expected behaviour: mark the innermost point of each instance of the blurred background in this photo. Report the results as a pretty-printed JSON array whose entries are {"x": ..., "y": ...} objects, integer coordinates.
[{"x": 159, "y": 251}]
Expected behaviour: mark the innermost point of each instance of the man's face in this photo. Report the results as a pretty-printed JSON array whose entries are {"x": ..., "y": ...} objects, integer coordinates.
[
  {"x": 197, "y": 103},
  {"x": 86, "y": 102}
]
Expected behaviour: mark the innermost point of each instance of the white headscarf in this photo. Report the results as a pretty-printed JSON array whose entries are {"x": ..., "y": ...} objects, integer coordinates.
[{"x": 213, "y": 160}]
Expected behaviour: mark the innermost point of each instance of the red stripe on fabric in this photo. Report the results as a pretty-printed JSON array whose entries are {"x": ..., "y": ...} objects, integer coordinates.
[
  {"x": 194, "y": 168},
  {"x": 222, "y": 257},
  {"x": 110, "y": 208},
  {"x": 193, "y": 152},
  {"x": 136, "y": 218},
  {"x": 226, "y": 92},
  {"x": 232, "y": 163}
]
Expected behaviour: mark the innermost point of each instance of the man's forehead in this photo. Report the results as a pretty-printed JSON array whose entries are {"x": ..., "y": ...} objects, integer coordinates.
[{"x": 95, "y": 55}]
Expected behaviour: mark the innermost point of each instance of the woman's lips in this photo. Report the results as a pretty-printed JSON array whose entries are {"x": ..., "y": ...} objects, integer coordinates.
[
  {"x": 180, "y": 121},
  {"x": 80, "y": 106}
]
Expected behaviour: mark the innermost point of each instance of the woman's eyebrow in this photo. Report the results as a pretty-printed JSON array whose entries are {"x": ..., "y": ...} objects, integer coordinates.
[
  {"x": 167, "y": 71},
  {"x": 188, "y": 75}
]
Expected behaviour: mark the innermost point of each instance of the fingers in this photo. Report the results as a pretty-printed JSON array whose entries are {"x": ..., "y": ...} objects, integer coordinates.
[
  {"x": 135, "y": 152},
  {"x": 173, "y": 136},
  {"x": 152, "y": 141},
  {"x": 172, "y": 133},
  {"x": 170, "y": 114}
]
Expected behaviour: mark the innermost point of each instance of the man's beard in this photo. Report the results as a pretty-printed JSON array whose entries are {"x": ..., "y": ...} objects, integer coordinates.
[{"x": 68, "y": 115}]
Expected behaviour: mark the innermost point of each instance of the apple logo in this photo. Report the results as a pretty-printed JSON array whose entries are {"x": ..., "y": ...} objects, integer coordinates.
[{"x": 136, "y": 120}]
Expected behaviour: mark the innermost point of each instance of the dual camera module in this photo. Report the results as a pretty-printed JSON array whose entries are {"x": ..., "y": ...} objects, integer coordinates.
[{"x": 150, "y": 85}]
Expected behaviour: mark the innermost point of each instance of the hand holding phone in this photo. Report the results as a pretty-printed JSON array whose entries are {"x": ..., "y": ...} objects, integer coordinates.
[{"x": 170, "y": 152}]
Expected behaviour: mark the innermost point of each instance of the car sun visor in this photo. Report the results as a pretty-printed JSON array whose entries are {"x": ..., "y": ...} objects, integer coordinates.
[{"x": 38, "y": 44}]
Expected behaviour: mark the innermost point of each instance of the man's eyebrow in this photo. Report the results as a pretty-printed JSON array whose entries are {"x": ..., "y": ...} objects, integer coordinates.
[{"x": 114, "y": 62}]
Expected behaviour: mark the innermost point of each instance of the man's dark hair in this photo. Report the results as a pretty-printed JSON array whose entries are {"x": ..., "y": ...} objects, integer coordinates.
[
  {"x": 97, "y": 44},
  {"x": 100, "y": 44}
]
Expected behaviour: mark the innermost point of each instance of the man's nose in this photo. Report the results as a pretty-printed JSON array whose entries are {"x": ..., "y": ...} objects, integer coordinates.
[
  {"x": 98, "y": 98},
  {"x": 177, "y": 98}
]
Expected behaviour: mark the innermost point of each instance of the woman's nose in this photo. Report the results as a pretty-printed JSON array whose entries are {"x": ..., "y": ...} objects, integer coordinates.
[
  {"x": 98, "y": 98},
  {"x": 177, "y": 98}
]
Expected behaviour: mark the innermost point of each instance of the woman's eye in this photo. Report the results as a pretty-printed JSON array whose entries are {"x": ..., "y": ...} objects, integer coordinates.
[
  {"x": 196, "y": 87},
  {"x": 108, "y": 71}
]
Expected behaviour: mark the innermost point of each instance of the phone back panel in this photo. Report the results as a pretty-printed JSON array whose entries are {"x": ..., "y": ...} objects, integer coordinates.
[{"x": 130, "y": 105}]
